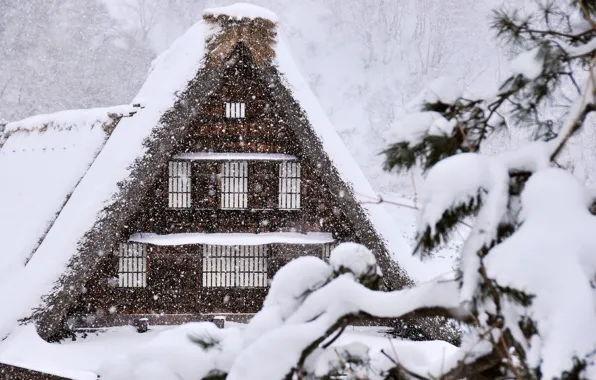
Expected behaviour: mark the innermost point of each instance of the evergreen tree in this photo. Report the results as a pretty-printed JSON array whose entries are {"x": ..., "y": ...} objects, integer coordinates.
[{"x": 504, "y": 194}]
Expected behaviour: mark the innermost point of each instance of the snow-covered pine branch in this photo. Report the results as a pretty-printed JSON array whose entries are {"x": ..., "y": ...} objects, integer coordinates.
[{"x": 527, "y": 266}]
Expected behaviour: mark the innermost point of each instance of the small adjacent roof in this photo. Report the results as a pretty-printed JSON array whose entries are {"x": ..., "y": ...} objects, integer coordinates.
[{"x": 42, "y": 159}]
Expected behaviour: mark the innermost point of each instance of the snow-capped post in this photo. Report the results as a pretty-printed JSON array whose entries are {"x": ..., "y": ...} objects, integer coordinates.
[
  {"x": 527, "y": 269},
  {"x": 142, "y": 325}
]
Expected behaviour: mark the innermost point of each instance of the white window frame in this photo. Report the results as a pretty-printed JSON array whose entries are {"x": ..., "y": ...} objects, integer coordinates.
[
  {"x": 180, "y": 184},
  {"x": 235, "y": 110},
  {"x": 234, "y": 266},
  {"x": 132, "y": 265},
  {"x": 289, "y": 186},
  {"x": 234, "y": 185}
]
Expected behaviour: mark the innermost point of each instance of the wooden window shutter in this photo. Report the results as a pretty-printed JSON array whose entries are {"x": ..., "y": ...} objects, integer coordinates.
[
  {"x": 228, "y": 266},
  {"x": 262, "y": 186},
  {"x": 132, "y": 265}
]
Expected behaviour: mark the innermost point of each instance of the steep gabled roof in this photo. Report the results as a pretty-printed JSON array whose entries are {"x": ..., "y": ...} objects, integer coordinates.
[{"x": 181, "y": 78}]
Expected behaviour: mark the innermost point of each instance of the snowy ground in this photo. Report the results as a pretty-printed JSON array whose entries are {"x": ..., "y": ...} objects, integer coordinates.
[{"x": 82, "y": 358}]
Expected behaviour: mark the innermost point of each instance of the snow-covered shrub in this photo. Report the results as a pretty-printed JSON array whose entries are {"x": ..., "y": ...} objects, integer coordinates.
[{"x": 309, "y": 304}]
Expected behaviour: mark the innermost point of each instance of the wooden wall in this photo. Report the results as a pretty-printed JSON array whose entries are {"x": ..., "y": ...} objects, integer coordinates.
[{"x": 10, "y": 372}]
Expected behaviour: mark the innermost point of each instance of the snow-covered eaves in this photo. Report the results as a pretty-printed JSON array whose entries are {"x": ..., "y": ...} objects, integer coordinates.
[
  {"x": 66, "y": 120},
  {"x": 233, "y": 238},
  {"x": 241, "y": 156}
]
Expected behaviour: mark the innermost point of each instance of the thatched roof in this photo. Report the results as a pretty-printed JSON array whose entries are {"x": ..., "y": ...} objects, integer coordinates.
[
  {"x": 42, "y": 159},
  {"x": 112, "y": 188},
  {"x": 256, "y": 33}
]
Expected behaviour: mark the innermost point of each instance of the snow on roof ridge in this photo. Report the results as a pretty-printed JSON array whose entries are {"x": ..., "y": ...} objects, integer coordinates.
[
  {"x": 240, "y": 11},
  {"x": 71, "y": 118}
]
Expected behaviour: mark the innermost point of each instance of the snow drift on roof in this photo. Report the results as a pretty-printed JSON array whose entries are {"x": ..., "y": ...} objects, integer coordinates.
[
  {"x": 71, "y": 118},
  {"x": 234, "y": 238},
  {"x": 42, "y": 160},
  {"x": 243, "y": 10}
]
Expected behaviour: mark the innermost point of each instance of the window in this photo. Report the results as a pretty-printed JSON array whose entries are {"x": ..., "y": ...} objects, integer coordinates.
[
  {"x": 235, "y": 110},
  {"x": 179, "y": 187},
  {"x": 289, "y": 185},
  {"x": 235, "y": 266},
  {"x": 132, "y": 265},
  {"x": 234, "y": 185}
]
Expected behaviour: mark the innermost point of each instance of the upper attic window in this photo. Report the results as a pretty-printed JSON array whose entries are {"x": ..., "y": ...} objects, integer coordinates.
[{"x": 235, "y": 110}]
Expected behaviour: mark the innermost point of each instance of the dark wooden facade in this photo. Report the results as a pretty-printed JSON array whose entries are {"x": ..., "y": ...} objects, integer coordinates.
[
  {"x": 11, "y": 372},
  {"x": 173, "y": 292}
]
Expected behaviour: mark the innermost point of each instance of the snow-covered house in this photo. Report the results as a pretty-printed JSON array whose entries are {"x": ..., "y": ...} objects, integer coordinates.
[{"x": 183, "y": 206}]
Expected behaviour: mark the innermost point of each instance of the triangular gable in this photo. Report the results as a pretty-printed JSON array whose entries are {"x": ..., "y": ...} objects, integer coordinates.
[{"x": 89, "y": 224}]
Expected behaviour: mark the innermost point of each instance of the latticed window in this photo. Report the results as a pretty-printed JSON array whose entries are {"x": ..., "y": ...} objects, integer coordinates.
[
  {"x": 179, "y": 186},
  {"x": 289, "y": 185},
  {"x": 235, "y": 266},
  {"x": 234, "y": 185},
  {"x": 235, "y": 110},
  {"x": 132, "y": 265}
]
